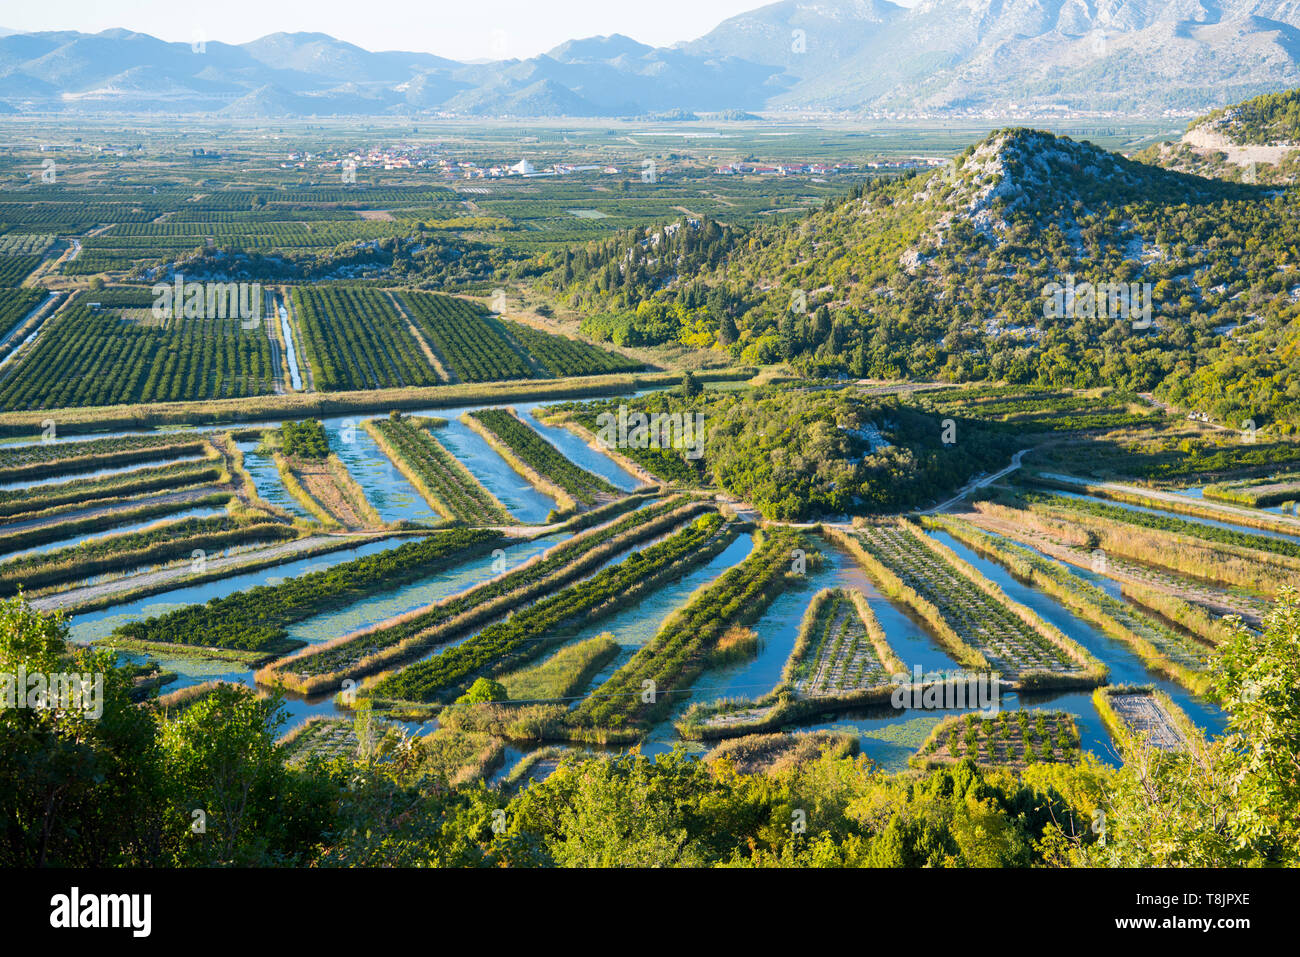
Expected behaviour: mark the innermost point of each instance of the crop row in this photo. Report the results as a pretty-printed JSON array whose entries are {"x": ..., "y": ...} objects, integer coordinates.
[
  {"x": 1166, "y": 523},
  {"x": 1260, "y": 572},
  {"x": 562, "y": 356},
  {"x": 355, "y": 339},
  {"x": 14, "y": 269},
  {"x": 41, "y": 534},
  {"x": 1011, "y": 642},
  {"x": 25, "y": 244},
  {"x": 256, "y": 618},
  {"x": 86, "y": 357},
  {"x": 1162, "y": 649},
  {"x": 402, "y": 638},
  {"x": 445, "y": 483},
  {"x": 1177, "y": 504},
  {"x": 463, "y": 336},
  {"x": 73, "y": 216},
  {"x": 540, "y": 456},
  {"x": 526, "y": 633},
  {"x": 57, "y": 458},
  {"x": 1011, "y": 738},
  {"x": 95, "y": 492},
  {"x": 15, "y": 304},
  {"x": 283, "y": 233},
  {"x": 835, "y": 653}
]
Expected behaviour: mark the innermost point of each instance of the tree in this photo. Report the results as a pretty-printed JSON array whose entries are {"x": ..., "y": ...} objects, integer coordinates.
[
  {"x": 482, "y": 690},
  {"x": 690, "y": 385},
  {"x": 78, "y": 786},
  {"x": 727, "y": 331},
  {"x": 220, "y": 759},
  {"x": 1257, "y": 676}
]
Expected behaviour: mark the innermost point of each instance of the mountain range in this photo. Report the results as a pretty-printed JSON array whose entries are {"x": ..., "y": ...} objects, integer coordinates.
[{"x": 938, "y": 57}]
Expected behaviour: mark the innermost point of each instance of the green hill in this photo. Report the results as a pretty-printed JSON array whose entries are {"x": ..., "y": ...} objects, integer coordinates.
[{"x": 957, "y": 273}]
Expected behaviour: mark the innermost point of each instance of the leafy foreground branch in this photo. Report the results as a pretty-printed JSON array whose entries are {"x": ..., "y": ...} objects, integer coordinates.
[{"x": 120, "y": 790}]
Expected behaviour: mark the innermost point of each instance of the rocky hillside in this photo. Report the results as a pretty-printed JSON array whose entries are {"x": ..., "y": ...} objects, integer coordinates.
[
  {"x": 1256, "y": 141},
  {"x": 955, "y": 274}
]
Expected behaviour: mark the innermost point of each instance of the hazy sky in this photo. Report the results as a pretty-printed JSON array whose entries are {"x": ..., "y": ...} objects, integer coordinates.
[{"x": 465, "y": 30}]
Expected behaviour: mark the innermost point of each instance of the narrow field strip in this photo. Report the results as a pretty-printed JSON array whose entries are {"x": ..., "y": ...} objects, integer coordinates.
[
  {"x": 390, "y": 643},
  {"x": 537, "y": 460},
  {"x": 529, "y": 631},
  {"x": 1010, "y": 739},
  {"x": 841, "y": 659},
  {"x": 1191, "y": 554},
  {"x": 1139, "y": 716},
  {"x": 440, "y": 478},
  {"x": 163, "y": 543},
  {"x": 623, "y": 707},
  {"x": 257, "y": 619},
  {"x": 972, "y": 618}
]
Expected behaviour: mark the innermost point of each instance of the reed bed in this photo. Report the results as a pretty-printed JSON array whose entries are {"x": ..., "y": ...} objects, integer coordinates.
[
  {"x": 1205, "y": 625},
  {"x": 565, "y": 672}
]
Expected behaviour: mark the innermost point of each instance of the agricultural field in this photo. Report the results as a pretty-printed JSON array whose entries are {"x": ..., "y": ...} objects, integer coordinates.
[
  {"x": 88, "y": 356},
  {"x": 538, "y": 460},
  {"x": 316, "y": 478},
  {"x": 355, "y": 339},
  {"x": 1165, "y": 649},
  {"x": 561, "y": 356},
  {"x": 983, "y": 628},
  {"x": 448, "y": 486},
  {"x": 409, "y": 636},
  {"x": 16, "y": 303},
  {"x": 320, "y": 737},
  {"x": 257, "y": 618},
  {"x": 838, "y": 656},
  {"x": 1259, "y": 493},
  {"x": 670, "y": 662},
  {"x": 1009, "y": 739},
  {"x": 524, "y": 634},
  {"x": 466, "y": 340},
  {"x": 1144, "y": 717}
]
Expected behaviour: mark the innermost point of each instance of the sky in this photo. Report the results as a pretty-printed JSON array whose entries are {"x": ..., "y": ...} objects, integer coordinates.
[{"x": 458, "y": 29}]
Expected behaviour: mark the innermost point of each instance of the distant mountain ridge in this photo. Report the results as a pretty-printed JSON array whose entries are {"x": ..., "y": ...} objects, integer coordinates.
[{"x": 940, "y": 56}]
